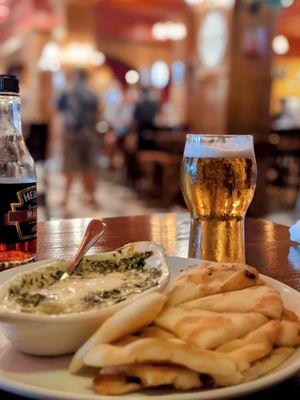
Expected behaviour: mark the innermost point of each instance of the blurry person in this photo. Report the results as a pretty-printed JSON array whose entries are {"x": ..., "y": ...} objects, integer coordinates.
[
  {"x": 144, "y": 115},
  {"x": 79, "y": 108},
  {"x": 123, "y": 122}
]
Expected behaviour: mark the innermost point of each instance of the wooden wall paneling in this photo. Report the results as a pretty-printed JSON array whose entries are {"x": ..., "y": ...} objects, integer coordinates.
[
  {"x": 208, "y": 88},
  {"x": 250, "y": 72}
]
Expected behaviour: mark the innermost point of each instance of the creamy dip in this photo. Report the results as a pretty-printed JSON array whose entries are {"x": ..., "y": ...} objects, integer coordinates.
[{"x": 94, "y": 283}]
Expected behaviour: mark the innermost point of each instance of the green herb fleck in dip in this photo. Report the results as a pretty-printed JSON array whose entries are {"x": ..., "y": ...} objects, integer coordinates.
[{"x": 96, "y": 282}]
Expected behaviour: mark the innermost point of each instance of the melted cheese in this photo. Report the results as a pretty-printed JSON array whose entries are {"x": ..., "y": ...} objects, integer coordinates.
[
  {"x": 75, "y": 293},
  {"x": 99, "y": 281},
  {"x": 65, "y": 293}
]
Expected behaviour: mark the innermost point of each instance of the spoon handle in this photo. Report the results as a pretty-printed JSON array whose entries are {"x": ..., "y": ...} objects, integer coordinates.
[{"x": 93, "y": 231}]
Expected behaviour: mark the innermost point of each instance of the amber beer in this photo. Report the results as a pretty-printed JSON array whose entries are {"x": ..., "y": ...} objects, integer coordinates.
[{"x": 218, "y": 183}]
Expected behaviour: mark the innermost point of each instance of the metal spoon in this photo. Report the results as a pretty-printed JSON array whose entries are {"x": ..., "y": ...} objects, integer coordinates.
[{"x": 94, "y": 230}]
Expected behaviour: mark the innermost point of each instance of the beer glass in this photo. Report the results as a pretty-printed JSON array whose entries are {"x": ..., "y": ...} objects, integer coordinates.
[{"x": 218, "y": 177}]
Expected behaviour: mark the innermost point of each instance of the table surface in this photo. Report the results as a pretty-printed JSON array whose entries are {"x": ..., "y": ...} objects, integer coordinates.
[{"x": 268, "y": 248}]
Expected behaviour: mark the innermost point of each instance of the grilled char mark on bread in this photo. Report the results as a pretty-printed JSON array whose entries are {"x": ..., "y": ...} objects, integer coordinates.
[
  {"x": 207, "y": 329},
  {"x": 200, "y": 281},
  {"x": 262, "y": 299}
]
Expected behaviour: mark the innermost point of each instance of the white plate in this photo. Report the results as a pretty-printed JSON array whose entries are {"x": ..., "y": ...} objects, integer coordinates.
[{"x": 48, "y": 378}]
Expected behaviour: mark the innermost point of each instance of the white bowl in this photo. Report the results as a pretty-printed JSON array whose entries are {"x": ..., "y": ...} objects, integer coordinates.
[{"x": 43, "y": 334}]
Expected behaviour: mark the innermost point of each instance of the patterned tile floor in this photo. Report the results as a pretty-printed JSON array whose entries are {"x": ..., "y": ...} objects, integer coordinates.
[{"x": 114, "y": 199}]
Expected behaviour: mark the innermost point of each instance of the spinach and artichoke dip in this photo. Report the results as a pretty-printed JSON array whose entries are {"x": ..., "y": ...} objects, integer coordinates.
[{"x": 95, "y": 283}]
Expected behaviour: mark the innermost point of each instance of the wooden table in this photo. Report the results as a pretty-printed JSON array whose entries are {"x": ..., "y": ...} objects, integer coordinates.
[{"x": 267, "y": 247}]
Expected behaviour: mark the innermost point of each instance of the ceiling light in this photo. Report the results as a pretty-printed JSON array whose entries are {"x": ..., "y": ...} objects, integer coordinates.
[
  {"x": 159, "y": 32},
  {"x": 194, "y": 2},
  {"x": 223, "y": 3},
  {"x": 287, "y": 3},
  {"x": 215, "y": 3},
  {"x": 80, "y": 54},
  {"x": 50, "y": 57},
  {"x": 98, "y": 58},
  {"x": 76, "y": 53},
  {"x": 169, "y": 30},
  {"x": 280, "y": 44},
  {"x": 176, "y": 30},
  {"x": 132, "y": 77},
  {"x": 49, "y": 65},
  {"x": 160, "y": 74}
]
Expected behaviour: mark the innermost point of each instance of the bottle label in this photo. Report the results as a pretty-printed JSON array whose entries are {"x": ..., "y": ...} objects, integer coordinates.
[{"x": 18, "y": 212}]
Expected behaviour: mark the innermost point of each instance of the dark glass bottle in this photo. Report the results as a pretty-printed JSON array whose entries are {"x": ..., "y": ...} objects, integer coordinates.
[{"x": 18, "y": 207}]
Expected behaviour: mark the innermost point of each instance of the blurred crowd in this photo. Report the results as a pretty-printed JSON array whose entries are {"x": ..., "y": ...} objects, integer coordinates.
[
  {"x": 132, "y": 135},
  {"x": 123, "y": 131}
]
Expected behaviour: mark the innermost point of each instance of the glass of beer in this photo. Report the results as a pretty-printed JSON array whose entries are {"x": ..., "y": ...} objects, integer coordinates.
[{"x": 218, "y": 178}]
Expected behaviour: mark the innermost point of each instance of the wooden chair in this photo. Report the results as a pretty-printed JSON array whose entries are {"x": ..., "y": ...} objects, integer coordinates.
[{"x": 160, "y": 174}]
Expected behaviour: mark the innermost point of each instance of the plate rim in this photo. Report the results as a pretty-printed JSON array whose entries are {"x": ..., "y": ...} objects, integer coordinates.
[{"x": 39, "y": 392}]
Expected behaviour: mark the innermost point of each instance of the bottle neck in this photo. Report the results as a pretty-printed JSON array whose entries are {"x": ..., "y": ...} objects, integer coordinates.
[{"x": 10, "y": 119}]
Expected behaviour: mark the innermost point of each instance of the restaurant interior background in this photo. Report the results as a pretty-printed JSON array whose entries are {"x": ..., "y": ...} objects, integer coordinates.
[{"x": 209, "y": 66}]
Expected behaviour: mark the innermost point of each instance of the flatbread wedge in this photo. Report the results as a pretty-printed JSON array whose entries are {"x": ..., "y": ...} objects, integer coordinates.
[
  {"x": 262, "y": 299},
  {"x": 157, "y": 375},
  {"x": 289, "y": 334},
  {"x": 249, "y": 353},
  {"x": 129, "y": 319},
  {"x": 229, "y": 380},
  {"x": 268, "y": 363},
  {"x": 114, "y": 384},
  {"x": 200, "y": 281},
  {"x": 207, "y": 329},
  {"x": 258, "y": 368},
  {"x": 266, "y": 333},
  {"x": 157, "y": 350},
  {"x": 145, "y": 376}
]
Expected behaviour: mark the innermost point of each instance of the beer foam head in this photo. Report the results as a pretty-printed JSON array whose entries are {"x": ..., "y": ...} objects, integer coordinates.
[{"x": 213, "y": 146}]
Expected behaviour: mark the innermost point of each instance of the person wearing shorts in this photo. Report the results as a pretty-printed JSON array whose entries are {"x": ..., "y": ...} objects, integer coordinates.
[{"x": 79, "y": 108}]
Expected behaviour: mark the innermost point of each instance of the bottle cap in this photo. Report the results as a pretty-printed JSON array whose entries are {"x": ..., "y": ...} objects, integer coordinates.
[{"x": 9, "y": 83}]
